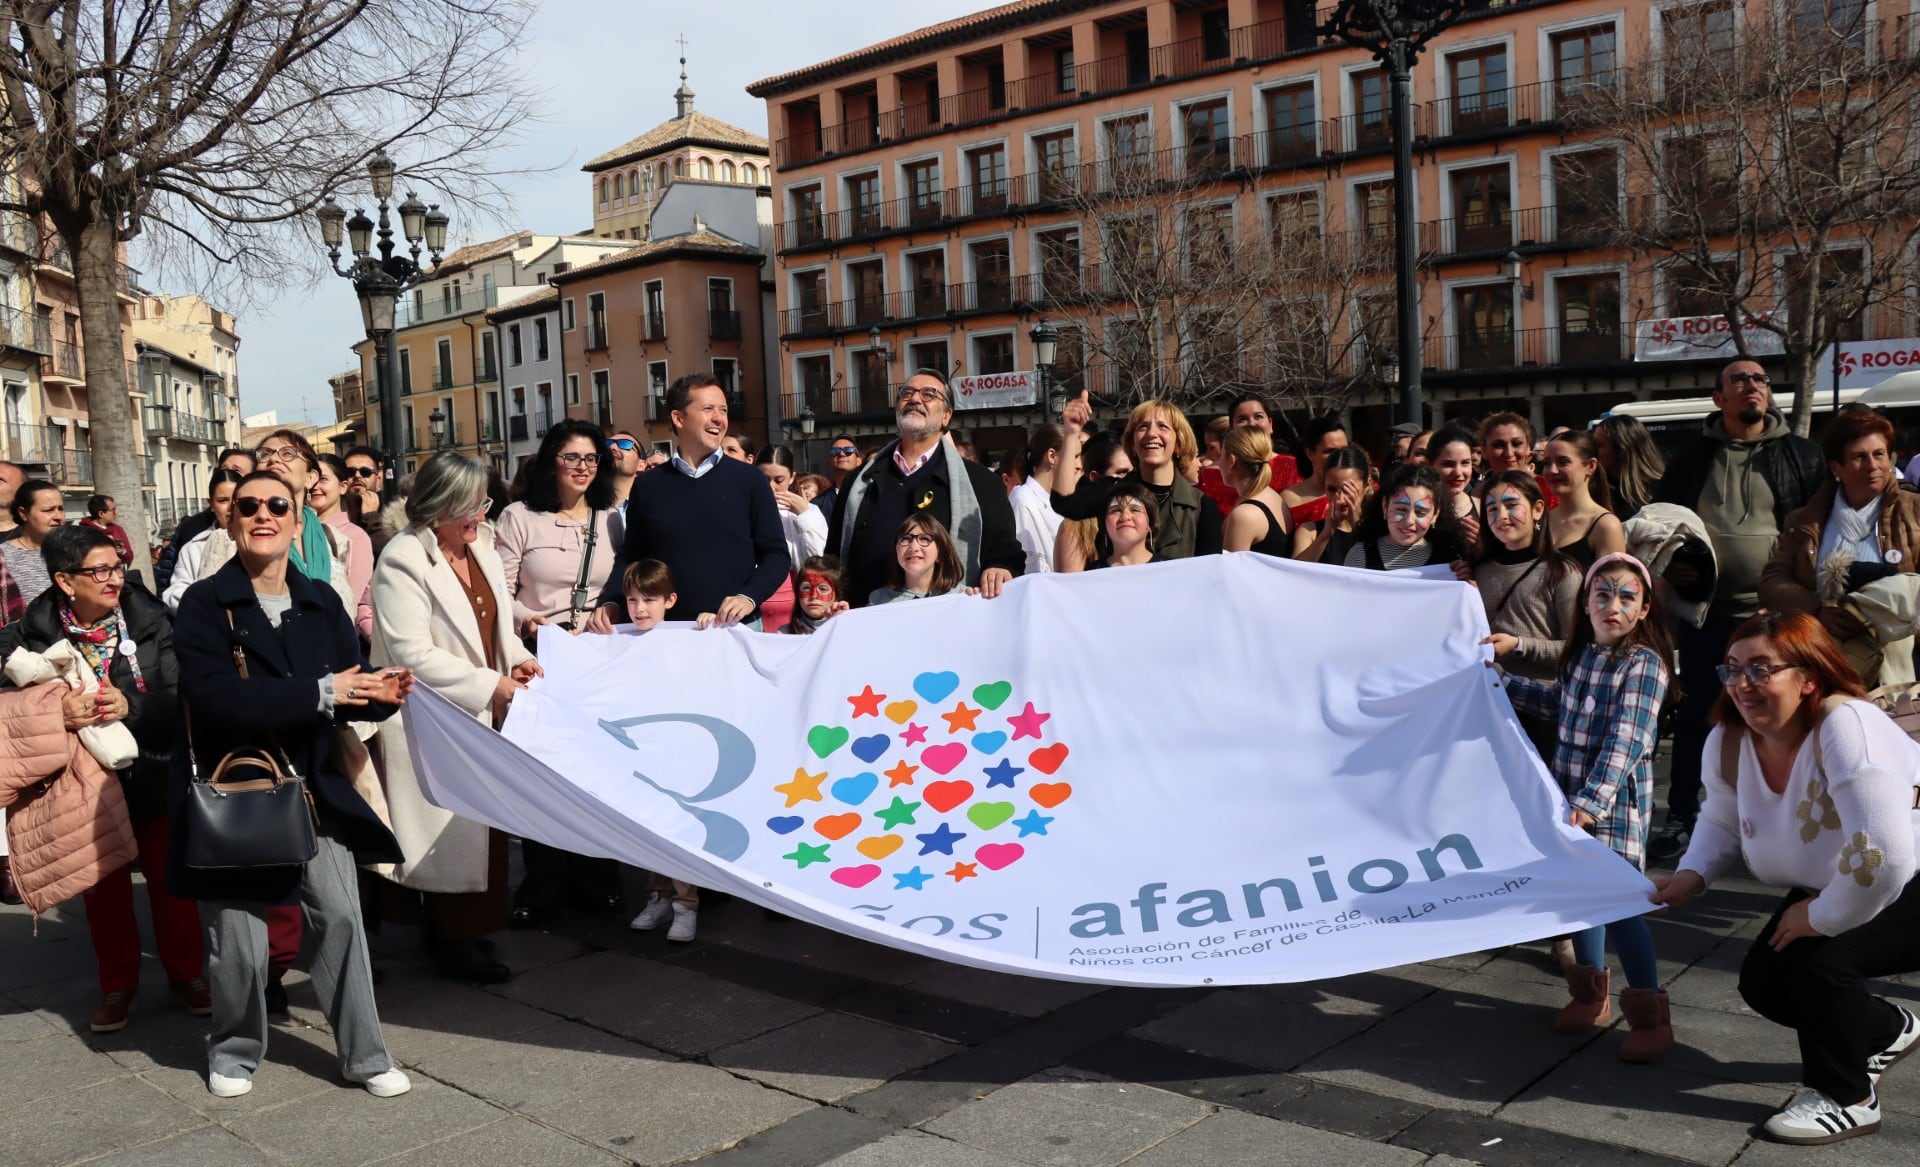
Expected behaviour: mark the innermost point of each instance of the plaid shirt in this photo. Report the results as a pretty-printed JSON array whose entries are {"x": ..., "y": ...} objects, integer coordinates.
[{"x": 1609, "y": 714}]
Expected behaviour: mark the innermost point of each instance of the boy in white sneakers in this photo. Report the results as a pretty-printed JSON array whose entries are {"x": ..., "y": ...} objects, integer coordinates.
[{"x": 650, "y": 591}]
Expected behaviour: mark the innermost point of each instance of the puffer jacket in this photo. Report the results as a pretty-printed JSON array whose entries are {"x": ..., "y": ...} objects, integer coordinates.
[
  {"x": 67, "y": 820},
  {"x": 1790, "y": 584}
]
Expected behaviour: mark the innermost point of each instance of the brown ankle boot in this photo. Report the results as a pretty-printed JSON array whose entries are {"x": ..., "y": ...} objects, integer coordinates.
[
  {"x": 1652, "y": 1033},
  {"x": 1590, "y": 1007}
]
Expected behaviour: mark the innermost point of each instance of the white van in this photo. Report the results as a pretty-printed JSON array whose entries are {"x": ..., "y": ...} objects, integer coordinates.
[{"x": 1673, "y": 421}]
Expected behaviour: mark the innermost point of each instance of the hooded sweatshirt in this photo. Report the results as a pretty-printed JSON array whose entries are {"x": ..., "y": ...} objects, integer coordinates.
[{"x": 1737, "y": 507}]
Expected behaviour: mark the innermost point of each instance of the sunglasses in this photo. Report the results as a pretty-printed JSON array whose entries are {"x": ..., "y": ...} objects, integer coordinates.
[
  {"x": 844, "y": 451},
  {"x": 362, "y": 472},
  {"x": 279, "y": 506},
  {"x": 624, "y": 445}
]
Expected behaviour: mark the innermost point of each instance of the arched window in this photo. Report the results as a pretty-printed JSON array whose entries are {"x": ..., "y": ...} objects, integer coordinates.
[
  {"x": 646, "y": 179},
  {"x": 749, "y": 174},
  {"x": 726, "y": 170},
  {"x": 633, "y": 182},
  {"x": 680, "y": 167},
  {"x": 604, "y": 187},
  {"x": 619, "y": 186},
  {"x": 662, "y": 168},
  {"x": 706, "y": 169}
]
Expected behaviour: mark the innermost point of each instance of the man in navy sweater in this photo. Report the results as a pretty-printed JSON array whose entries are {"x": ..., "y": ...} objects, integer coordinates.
[{"x": 710, "y": 519}]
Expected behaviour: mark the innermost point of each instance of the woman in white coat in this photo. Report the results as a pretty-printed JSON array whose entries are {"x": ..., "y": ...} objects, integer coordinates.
[{"x": 441, "y": 609}]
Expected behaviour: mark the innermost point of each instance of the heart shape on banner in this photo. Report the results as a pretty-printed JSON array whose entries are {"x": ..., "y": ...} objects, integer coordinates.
[
  {"x": 1050, "y": 794},
  {"x": 859, "y": 876},
  {"x": 871, "y": 749},
  {"x": 936, "y": 687},
  {"x": 879, "y": 846},
  {"x": 1048, "y": 758},
  {"x": 785, "y": 824},
  {"x": 994, "y": 856},
  {"x": 995, "y": 695},
  {"x": 900, "y": 712},
  {"x": 855, "y": 790},
  {"x": 989, "y": 743},
  {"x": 944, "y": 796},
  {"x": 824, "y": 739},
  {"x": 942, "y": 759},
  {"x": 837, "y": 826},
  {"x": 988, "y": 815}
]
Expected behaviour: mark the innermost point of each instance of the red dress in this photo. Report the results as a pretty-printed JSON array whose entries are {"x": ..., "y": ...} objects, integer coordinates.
[{"x": 1213, "y": 484}]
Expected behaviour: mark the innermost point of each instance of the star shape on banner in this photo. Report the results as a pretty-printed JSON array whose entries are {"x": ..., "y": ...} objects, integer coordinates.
[
  {"x": 962, "y": 717},
  {"x": 962, "y": 871},
  {"x": 805, "y": 787},
  {"x": 898, "y": 813},
  {"x": 1027, "y": 722},
  {"x": 941, "y": 839},
  {"x": 915, "y": 879},
  {"x": 916, "y": 735},
  {"x": 901, "y": 774},
  {"x": 1002, "y": 773},
  {"x": 866, "y": 703},
  {"x": 809, "y": 853},
  {"x": 1034, "y": 823}
]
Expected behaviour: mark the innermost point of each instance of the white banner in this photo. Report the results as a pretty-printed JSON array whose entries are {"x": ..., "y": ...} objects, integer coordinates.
[
  {"x": 1686, "y": 338},
  {"x": 1228, "y": 770},
  {"x": 1862, "y": 364},
  {"x": 996, "y": 390}
]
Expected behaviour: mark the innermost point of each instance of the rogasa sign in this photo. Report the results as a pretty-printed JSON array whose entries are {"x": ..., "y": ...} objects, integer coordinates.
[{"x": 1685, "y": 338}]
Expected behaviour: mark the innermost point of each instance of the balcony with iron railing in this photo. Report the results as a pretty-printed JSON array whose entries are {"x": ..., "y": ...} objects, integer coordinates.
[
  {"x": 1498, "y": 350},
  {"x": 602, "y": 412},
  {"x": 165, "y": 421},
  {"x": 63, "y": 359},
  {"x": 1493, "y": 233},
  {"x": 76, "y": 468},
  {"x": 596, "y": 332},
  {"x": 19, "y": 330},
  {"x": 653, "y": 326},
  {"x": 723, "y": 324},
  {"x": 33, "y": 445},
  {"x": 517, "y": 428}
]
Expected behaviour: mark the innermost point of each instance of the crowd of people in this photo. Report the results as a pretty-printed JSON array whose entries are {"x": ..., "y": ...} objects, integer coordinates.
[{"x": 1738, "y": 598}]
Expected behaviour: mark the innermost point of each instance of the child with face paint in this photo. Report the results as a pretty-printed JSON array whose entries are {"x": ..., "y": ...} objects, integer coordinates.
[
  {"x": 1408, "y": 525},
  {"x": 818, "y": 594},
  {"x": 1614, "y": 674}
]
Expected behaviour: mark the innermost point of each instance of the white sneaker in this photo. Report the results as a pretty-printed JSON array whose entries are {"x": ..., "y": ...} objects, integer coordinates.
[
  {"x": 387, "y": 1084},
  {"x": 221, "y": 1086},
  {"x": 1903, "y": 1045},
  {"x": 684, "y": 921},
  {"x": 1812, "y": 1119},
  {"x": 658, "y": 911}
]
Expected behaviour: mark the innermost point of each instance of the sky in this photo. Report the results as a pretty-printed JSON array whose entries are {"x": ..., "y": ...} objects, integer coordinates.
[{"x": 606, "y": 70}]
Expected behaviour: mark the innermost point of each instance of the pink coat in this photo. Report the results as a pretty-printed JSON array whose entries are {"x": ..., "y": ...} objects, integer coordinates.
[{"x": 67, "y": 820}]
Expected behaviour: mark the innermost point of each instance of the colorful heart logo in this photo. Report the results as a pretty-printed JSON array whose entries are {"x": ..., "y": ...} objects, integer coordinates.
[
  {"x": 879, "y": 846},
  {"x": 785, "y": 824},
  {"x": 942, "y": 759},
  {"x": 1049, "y": 758},
  {"x": 989, "y": 743},
  {"x": 993, "y": 696},
  {"x": 859, "y": 876},
  {"x": 935, "y": 687},
  {"x": 1050, "y": 794},
  {"x": 854, "y": 791},
  {"x": 988, "y": 815},
  {"x": 900, "y": 712},
  {"x": 824, "y": 739},
  {"x": 837, "y": 826},
  {"x": 944, "y": 796},
  {"x": 994, "y": 856},
  {"x": 871, "y": 749}
]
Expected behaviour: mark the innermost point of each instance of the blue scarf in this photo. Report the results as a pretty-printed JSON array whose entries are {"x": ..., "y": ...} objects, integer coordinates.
[{"x": 312, "y": 554}]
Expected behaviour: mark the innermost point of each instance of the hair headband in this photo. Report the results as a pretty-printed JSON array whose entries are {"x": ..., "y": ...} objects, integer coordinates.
[{"x": 1615, "y": 557}]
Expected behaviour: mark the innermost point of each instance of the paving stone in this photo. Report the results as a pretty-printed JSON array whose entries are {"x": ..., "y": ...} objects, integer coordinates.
[
  {"x": 1470, "y": 1046},
  {"x": 1654, "y": 1108},
  {"x": 349, "y": 1126},
  {"x": 811, "y": 1136},
  {"x": 664, "y": 1112},
  {"x": 511, "y": 1142},
  {"x": 831, "y": 1055},
  {"x": 52, "y": 1066},
  {"x": 209, "y": 1146},
  {"x": 665, "y": 1007},
  {"x": 1738, "y": 1047},
  {"x": 746, "y": 927},
  {"x": 970, "y": 1074},
  {"x": 919, "y": 1149},
  {"x": 1891, "y": 1146},
  {"x": 89, "y": 1121},
  {"x": 1023, "y": 996},
  {"x": 300, "y": 1064},
  {"x": 534, "y": 1066},
  {"x": 911, "y": 1009},
  {"x": 18, "y": 1023},
  {"x": 422, "y": 1014},
  {"x": 1255, "y": 1028},
  {"x": 1233, "y": 1139},
  {"x": 1058, "y": 1120},
  {"x": 1495, "y": 1142},
  {"x": 806, "y": 983}
]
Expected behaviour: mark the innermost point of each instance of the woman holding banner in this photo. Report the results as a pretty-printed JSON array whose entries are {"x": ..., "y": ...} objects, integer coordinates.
[
  {"x": 1815, "y": 787},
  {"x": 1163, "y": 449}
]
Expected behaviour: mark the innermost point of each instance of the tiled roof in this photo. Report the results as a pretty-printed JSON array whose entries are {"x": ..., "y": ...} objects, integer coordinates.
[
  {"x": 543, "y": 300},
  {"x": 974, "y": 25},
  {"x": 695, "y": 127},
  {"x": 472, "y": 253},
  {"x": 693, "y": 243}
]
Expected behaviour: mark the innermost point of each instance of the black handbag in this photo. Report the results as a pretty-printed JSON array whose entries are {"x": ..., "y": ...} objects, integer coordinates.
[{"x": 253, "y": 811}]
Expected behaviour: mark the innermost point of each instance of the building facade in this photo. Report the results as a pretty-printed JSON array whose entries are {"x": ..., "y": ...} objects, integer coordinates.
[
  {"x": 939, "y": 192},
  {"x": 530, "y": 351},
  {"x": 187, "y": 357}
]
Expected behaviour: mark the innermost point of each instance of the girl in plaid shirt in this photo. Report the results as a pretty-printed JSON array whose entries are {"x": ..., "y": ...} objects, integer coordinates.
[{"x": 1614, "y": 674}]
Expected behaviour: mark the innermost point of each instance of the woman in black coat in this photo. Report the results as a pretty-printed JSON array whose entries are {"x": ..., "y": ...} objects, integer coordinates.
[
  {"x": 125, "y": 637},
  {"x": 305, "y": 679}
]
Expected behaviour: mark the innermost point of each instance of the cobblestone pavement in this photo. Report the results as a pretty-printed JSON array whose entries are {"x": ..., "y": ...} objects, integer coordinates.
[{"x": 772, "y": 1042}]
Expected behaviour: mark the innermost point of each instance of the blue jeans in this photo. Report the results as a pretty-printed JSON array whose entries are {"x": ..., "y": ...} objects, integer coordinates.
[{"x": 1632, "y": 942}]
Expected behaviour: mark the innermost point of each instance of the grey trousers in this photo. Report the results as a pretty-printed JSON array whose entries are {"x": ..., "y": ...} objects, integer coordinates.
[{"x": 342, "y": 972}]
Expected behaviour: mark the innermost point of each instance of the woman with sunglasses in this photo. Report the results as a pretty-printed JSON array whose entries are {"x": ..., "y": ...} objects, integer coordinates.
[
  {"x": 1813, "y": 787},
  {"x": 544, "y": 546},
  {"x": 305, "y": 678},
  {"x": 441, "y": 610},
  {"x": 126, "y": 638},
  {"x": 324, "y": 495}
]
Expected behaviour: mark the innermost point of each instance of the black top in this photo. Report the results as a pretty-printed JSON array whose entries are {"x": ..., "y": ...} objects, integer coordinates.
[
  {"x": 891, "y": 496},
  {"x": 1581, "y": 551},
  {"x": 183, "y": 534},
  {"x": 719, "y": 534},
  {"x": 1096, "y": 564},
  {"x": 1275, "y": 542},
  {"x": 1089, "y": 501}
]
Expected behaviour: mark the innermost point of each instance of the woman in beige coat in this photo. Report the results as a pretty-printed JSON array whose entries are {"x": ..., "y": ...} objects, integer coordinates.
[{"x": 441, "y": 609}]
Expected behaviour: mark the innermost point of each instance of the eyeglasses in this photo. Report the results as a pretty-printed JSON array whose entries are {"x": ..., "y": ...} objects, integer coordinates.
[
  {"x": 1760, "y": 379},
  {"x": 1754, "y": 675},
  {"x": 844, "y": 451},
  {"x": 918, "y": 393},
  {"x": 279, "y": 506},
  {"x": 579, "y": 459},
  {"x": 266, "y": 454},
  {"x": 363, "y": 472},
  {"x": 624, "y": 445},
  {"x": 915, "y": 539},
  {"x": 102, "y": 574}
]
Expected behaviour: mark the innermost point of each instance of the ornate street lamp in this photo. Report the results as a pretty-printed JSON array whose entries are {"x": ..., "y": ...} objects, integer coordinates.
[
  {"x": 437, "y": 422},
  {"x": 1394, "y": 32},
  {"x": 380, "y": 280},
  {"x": 1046, "y": 347}
]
